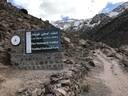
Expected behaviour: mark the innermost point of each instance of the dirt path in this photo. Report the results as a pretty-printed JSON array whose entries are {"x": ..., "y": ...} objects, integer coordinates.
[{"x": 112, "y": 76}]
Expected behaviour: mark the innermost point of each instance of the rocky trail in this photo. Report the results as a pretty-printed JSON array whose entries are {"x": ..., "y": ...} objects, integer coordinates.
[{"x": 112, "y": 78}]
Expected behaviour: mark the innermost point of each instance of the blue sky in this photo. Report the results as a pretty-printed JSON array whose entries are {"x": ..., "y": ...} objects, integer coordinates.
[
  {"x": 109, "y": 7},
  {"x": 56, "y": 9}
]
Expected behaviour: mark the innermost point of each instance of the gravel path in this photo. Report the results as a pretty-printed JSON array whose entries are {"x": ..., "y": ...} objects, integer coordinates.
[{"x": 112, "y": 76}]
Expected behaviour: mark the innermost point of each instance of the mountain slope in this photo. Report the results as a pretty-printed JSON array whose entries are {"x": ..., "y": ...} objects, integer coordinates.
[{"x": 114, "y": 33}]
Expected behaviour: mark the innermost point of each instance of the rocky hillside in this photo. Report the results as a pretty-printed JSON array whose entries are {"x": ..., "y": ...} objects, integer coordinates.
[
  {"x": 68, "y": 82},
  {"x": 13, "y": 18},
  {"x": 113, "y": 33}
]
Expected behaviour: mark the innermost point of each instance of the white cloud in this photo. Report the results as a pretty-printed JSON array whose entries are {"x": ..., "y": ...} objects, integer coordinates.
[{"x": 55, "y": 9}]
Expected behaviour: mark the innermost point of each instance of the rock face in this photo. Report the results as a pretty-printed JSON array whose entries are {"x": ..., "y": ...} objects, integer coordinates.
[{"x": 100, "y": 17}]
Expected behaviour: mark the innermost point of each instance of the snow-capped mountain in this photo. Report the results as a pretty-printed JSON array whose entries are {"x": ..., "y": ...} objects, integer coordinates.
[
  {"x": 69, "y": 23},
  {"x": 113, "y": 33},
  {"x": 121, "y": 8},
  {"x": 110, "y": 6},
  {"x": 74, "y": 25}
]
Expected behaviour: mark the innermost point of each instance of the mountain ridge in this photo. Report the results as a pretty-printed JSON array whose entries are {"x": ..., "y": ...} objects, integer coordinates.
[{"x": 92, "y": 22}]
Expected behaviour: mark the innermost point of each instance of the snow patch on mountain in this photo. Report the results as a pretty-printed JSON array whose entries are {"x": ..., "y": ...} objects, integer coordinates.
[
  {"x": 118, "y": 10},
  {"x": 73, "y": 23},
  {"x": 92, "y": 25},
  {"x": 113, "y": 14}
]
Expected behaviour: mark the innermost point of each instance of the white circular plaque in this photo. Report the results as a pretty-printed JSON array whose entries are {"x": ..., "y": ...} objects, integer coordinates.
[{"x": 15, "y": 40}]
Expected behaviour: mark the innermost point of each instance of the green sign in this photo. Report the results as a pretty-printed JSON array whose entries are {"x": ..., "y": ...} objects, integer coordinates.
[{"x": 42, "y": 41}]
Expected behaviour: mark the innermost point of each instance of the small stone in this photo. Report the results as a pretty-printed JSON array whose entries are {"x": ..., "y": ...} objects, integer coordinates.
[
  {"x": 65, "y": 83},
  {"x": 92, "y": 63},
  {"x": 67, "y": 39},
  {"x": 40, "y": 91},
  {"x": 21, "y": 90},
  {"x": 2, "y": 79},
  {"x": 19, "y": 19},
  {"x": 62, "y": 91},
  {"x": 34, "y": 93},
  {"x": 67, "y": 61},
  {"x": 82, "y": 42}
]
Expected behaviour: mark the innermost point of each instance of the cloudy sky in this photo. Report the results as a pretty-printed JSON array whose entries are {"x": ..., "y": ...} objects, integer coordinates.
[{"x": 57, "y": 9}]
